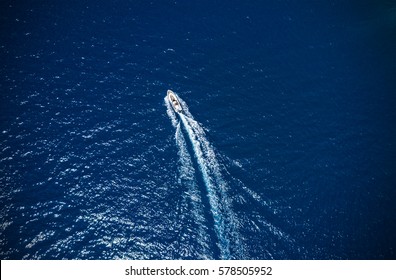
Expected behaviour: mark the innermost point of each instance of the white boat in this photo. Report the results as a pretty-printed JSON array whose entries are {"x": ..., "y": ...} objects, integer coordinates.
[{"x": 174, "y": 101}]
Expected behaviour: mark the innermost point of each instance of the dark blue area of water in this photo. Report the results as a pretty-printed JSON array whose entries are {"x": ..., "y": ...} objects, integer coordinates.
[{"x": 296, "y": 98}]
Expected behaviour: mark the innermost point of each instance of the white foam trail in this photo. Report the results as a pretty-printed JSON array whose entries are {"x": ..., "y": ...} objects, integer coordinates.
[
  {"x": 214, "y": 202},
  {"x": 187, "y": 178},
  {"x": 225, "y": 222}
]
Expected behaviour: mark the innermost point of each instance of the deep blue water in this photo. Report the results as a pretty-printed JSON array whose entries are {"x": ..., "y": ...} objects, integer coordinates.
[{"x": 285, "y": 149}]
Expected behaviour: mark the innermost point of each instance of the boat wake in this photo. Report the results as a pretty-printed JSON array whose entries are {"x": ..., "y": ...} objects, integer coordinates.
[
  {"x": 187, "y": 178},
  {"x": 224, "y": 220}
]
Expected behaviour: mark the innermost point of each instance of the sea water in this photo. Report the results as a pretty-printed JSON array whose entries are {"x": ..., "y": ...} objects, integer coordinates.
[{"x": 285, "y": 148}]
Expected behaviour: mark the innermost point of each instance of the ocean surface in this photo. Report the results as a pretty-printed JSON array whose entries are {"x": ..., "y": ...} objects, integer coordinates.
[{"x": 285, "y": 149}]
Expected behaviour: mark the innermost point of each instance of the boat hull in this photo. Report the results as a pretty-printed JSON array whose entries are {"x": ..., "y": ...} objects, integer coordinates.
[{"x": 174, "y": 101}]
